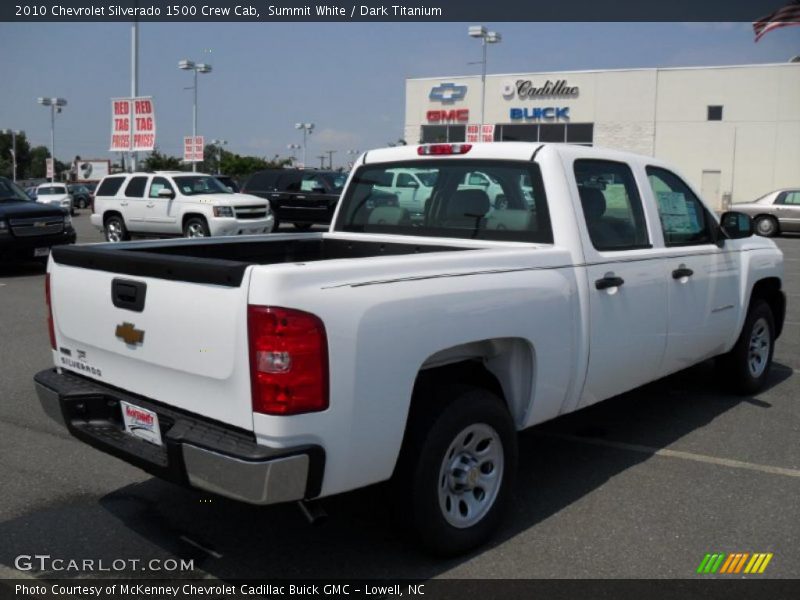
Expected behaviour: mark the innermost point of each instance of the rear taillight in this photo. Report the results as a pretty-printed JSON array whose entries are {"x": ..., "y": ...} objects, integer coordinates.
[
  {"x": 288, "y": 361},
  {"x": 440, "y": 149},
  {"x": 91, "y": 202},
  {"x": 49, "y": 300}
]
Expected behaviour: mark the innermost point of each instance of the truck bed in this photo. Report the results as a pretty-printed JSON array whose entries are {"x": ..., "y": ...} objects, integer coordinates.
[{"x": 223, "y": 261}]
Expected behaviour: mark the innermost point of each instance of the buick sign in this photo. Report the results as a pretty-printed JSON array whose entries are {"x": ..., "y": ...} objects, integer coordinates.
[
  {"x": 448, "y": 93},
  {"x": 548, "y": 113}
]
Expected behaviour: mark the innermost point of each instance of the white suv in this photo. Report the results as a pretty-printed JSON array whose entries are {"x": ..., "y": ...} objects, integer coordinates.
[{"x": 167, "y": 203}]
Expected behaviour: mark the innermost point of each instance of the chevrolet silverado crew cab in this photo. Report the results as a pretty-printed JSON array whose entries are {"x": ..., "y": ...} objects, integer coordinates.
[
  {"x": 174, "y": 203},
  {"x": 293, "y": 367},
  {"x": 29, "y": 229}
]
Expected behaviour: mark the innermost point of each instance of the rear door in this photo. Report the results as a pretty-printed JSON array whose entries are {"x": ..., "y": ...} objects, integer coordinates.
[
  {"x": 787, "y": 209},
  {"x": 132, "y": 203},
  {"x": 627, "y": 290}
]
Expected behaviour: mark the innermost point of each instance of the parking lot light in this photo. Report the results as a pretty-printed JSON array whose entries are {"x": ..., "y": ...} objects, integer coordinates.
[
  {"x": 56, "y": 105},
  {"x": 190, "y": 65},
  {"x": 13, "y": 133},
  {"x": 486, "y": 37},
  {"x": 307, "y": 129},
  {"x": 219, "y": 144}
]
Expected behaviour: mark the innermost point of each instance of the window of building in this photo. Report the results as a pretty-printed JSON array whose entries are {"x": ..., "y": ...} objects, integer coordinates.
[
  {"x": 715, "y": 113},
  {"x": 684, "y": 219},
  {"x": 611, "y": 205},
  {"x": 432, "y": 134},
  {"x": 572, "y": 133}
]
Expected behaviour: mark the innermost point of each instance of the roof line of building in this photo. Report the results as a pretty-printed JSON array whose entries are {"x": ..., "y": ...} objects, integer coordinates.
[{"x": 750, "y": 66}]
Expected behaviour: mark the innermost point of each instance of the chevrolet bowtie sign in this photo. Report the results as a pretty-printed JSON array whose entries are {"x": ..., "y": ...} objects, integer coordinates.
[
  {"x": 448, "y": 92},
  {"x": 128, "y": 333}
]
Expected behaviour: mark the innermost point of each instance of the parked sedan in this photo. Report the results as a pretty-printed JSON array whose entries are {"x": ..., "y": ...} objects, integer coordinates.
[{"x": 777, "y": 212}]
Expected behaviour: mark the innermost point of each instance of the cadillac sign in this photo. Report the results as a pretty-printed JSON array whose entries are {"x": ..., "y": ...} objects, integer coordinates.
[{"x": 526, "y": 90}]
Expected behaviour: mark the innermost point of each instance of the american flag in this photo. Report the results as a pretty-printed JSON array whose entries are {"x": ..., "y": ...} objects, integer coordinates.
[{"x": 783, "y": 17}]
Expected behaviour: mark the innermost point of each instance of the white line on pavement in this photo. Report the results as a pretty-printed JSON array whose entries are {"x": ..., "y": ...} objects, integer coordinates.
[
  {"x": 724, "y": 462},
  {"x": 203, "y": 548}
]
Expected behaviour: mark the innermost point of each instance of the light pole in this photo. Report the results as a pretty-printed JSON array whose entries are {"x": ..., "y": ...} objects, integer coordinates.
[
  {"x": 292, "y": 148},
  {"x": 353, "y": 153},
  {"x": 219, "y": 144},
  {"x": 56, "y": 105},
  {"x": 486, "y": 37},
  {"x": 308, "y": 129},
  {"x": 190, "y": 65},
  {"x": 13, "y": 133},
  {"x": 330, "y": 154}
]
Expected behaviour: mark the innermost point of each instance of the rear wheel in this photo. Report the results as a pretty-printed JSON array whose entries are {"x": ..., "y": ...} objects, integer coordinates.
[
  {"x": 115, "y": 229},
  {"x": 456, "y": 470},
  {"x": 195, "y": 227},
  {"x": 745, "y": 368},
  {"x": 766, "y": 226}
]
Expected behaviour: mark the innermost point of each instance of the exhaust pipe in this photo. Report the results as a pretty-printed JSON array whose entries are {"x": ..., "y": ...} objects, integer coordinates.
[{"x": 313, "y": 512}]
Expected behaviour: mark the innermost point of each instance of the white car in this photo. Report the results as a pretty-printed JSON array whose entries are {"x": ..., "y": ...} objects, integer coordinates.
[
  {"x": 55, "y": 194},
  {"x": 174, "y": 203},
  {"x": 294, "y": 367}
]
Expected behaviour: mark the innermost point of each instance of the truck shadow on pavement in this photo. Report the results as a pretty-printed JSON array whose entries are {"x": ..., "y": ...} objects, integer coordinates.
[
  {"x": 22, "y": 269},
  {"x": 229, "y": 540}
]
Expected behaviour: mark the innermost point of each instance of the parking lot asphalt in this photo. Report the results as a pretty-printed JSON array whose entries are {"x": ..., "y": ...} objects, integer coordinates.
[{"x": 640, "y": 486}]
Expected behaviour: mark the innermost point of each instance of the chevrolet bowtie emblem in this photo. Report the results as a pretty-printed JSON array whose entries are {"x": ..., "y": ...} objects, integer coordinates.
[{"x": 129, "y": 334}]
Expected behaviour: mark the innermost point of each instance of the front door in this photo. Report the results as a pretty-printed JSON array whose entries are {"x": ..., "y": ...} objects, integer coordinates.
[{"x": 160, "y": 212}]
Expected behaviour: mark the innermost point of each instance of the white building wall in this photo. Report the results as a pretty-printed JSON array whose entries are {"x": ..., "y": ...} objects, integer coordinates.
[{"x": 663, "y": 112}]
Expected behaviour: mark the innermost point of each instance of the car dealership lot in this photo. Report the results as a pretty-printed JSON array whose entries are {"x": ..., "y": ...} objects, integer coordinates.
[{"x": 643, "y": 485}]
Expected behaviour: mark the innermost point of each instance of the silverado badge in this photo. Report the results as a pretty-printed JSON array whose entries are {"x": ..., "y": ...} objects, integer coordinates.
[{"x": 128, "y": 333}]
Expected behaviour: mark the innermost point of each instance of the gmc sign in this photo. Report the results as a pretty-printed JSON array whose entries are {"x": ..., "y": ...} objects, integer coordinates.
[{"x": 441, "y": 116}]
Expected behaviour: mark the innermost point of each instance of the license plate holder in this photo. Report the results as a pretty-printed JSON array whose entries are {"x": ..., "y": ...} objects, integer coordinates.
[
  {"x": 37, "y": 252},
  {"x": 141, "y": 423}
]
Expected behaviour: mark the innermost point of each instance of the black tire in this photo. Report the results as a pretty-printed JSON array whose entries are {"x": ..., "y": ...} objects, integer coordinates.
[
  {"x": 195, "y": 227},
  {"x": 742, "y": 370},
  {"x": 436, "y": 437},
  {"x": 302, "y": 226},
  {"x": 766, "y": 226},
  {"x": 115, "y": 230}
]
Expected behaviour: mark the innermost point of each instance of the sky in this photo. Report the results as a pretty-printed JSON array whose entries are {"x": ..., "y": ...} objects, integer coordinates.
[{"x": 346, "y": 78}]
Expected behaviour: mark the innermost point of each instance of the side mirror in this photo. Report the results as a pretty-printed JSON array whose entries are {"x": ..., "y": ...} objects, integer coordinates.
[
  {"x": 166, "y": 193},
  {"x": 412, "y": 184},
  {"x": 736, "y": 225}
]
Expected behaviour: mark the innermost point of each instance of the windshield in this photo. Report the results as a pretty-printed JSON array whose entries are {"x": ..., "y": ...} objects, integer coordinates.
[
  {"x": 10, "y": 191},
  {"x": 192, "y": 185},
  {"x": 470, "y": 199},
  {"x": 51, "y": 190}
]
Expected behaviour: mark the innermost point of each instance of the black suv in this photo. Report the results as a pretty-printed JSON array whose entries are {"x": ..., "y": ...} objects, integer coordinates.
[
  {"x": 28, "y": 229},
  {"x": 303, "y": 197}
]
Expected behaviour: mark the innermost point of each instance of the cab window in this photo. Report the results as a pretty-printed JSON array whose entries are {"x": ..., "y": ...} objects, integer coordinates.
[
  {"x": 611, "y": 205},
  {"x": 684, "y": 219}
]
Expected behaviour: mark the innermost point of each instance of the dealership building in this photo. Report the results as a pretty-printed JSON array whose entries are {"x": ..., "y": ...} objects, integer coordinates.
[{"x": 733, "y": 131}]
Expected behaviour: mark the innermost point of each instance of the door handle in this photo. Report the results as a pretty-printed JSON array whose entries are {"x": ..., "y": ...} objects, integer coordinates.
[
  {"x": 300, "y": 197},
  {"x": 151, "y": 205},
  {"x": 123, "y": 204},
  {"x": 608, "y": 281},
  {"x": 682, "y": 272}
]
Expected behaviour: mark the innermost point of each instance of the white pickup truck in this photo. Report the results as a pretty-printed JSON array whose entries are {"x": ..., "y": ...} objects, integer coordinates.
[{"x": 292, "y": 367}]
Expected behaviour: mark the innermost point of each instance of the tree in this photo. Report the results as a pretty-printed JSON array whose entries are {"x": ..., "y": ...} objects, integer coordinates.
[
  {"x": 23, "y": 156},
  {"x": 38, "y": 165},
  {"x": 239, "y": 166},
  {"x": 156, "y": 161}
]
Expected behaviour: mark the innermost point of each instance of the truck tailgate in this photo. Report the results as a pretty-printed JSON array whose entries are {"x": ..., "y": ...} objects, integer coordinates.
[{"x": 192, "y": 350}]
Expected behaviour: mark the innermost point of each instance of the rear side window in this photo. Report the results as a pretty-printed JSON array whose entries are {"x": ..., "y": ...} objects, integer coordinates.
[
  {"x": 792, "y": 198},
  {"x": 684, "y": 219},
  {"x": 262, "y": 181},
  {"x": 110, "y": 186},
  {"x": 468, "y": 199},
  {"x": 135, "y": 188},
  {"x": 611, "y": 205}
]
